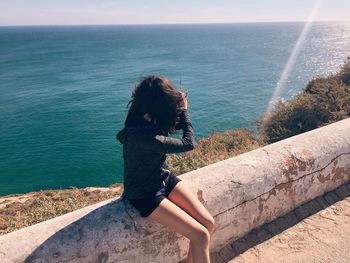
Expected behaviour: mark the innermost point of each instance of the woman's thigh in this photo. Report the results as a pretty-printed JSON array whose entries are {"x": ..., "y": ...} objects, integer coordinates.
[
  {"x": 186, "y": 200},
  {"x": 176, "y": 219}
]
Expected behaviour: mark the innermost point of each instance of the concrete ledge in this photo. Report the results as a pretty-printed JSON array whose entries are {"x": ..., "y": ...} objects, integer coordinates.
[
  {"x": 325, "y": 215},
  {"x": 242, "y": 193}
]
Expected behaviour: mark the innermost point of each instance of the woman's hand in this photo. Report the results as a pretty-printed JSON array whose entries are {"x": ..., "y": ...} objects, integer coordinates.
[{"x": 183, "y": 103}]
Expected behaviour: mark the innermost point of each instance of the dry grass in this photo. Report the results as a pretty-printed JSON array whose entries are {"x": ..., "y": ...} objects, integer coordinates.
[
  {"x": 21, "y": 210},
  {"x": 216, "y": 147}
]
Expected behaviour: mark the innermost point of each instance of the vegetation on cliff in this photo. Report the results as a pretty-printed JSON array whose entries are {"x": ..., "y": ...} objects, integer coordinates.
[
  {"x": 323, "y": 101},
  {"x": 21, "y": 210},
  {"x": 216, "y": 147}
]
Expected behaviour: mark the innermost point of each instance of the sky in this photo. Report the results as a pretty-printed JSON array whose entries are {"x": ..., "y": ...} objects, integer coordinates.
[{"x": 82, "y": 12}]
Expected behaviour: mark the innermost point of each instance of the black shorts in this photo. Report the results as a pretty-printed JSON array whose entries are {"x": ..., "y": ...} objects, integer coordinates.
[{"x": 147, "y": 205}]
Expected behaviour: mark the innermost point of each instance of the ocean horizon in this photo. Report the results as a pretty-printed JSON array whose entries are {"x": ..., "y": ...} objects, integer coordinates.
[
  {"x": 180, "y": 24},
  {"x": 65, "y": 87}
]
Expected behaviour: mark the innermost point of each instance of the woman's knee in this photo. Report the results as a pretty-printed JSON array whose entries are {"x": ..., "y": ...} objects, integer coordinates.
[
  {"x": 210, "y": 224},
  {"x": 201, "y": 237}
]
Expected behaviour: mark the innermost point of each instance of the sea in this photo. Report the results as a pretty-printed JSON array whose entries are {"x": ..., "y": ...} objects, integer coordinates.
[{"x": 64, "y": 89}]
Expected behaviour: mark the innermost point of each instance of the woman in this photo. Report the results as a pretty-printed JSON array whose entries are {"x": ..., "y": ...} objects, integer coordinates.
[{"x": 157, "y": 109}]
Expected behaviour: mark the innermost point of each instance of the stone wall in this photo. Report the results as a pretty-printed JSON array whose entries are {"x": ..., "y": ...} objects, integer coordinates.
[{"x": 241, "y": 193}]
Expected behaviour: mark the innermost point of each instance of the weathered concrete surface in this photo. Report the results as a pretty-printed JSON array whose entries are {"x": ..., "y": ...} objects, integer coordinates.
[
  {"x": 242, "y": 193},
  {"x": 322, "y": 222},
  {"x": 322, "y": 237}
]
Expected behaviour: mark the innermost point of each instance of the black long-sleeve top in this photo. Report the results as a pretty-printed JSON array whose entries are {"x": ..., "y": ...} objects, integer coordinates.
[{"x": 144, "y": 153}]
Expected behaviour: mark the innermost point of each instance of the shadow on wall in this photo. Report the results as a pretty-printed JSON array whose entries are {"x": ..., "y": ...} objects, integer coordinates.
[{"x": 113, "y": 232}]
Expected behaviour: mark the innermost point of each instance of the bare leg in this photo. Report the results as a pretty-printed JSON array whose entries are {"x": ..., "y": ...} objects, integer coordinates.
[
  {"x": 176, "y": 219},
  {"x": 186, "y": 200}
]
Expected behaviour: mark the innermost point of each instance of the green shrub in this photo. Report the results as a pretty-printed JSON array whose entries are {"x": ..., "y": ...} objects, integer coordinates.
[
  {"x": 324, "y": 100},
  {"x": 345, "y": 72}
]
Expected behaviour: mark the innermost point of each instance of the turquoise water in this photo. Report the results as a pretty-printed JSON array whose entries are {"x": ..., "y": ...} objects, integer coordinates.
[{"x": 64, "y": 89}]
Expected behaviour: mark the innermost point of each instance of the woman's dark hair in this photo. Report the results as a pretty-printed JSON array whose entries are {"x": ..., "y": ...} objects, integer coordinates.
[{"x": 157, "y": 96}]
